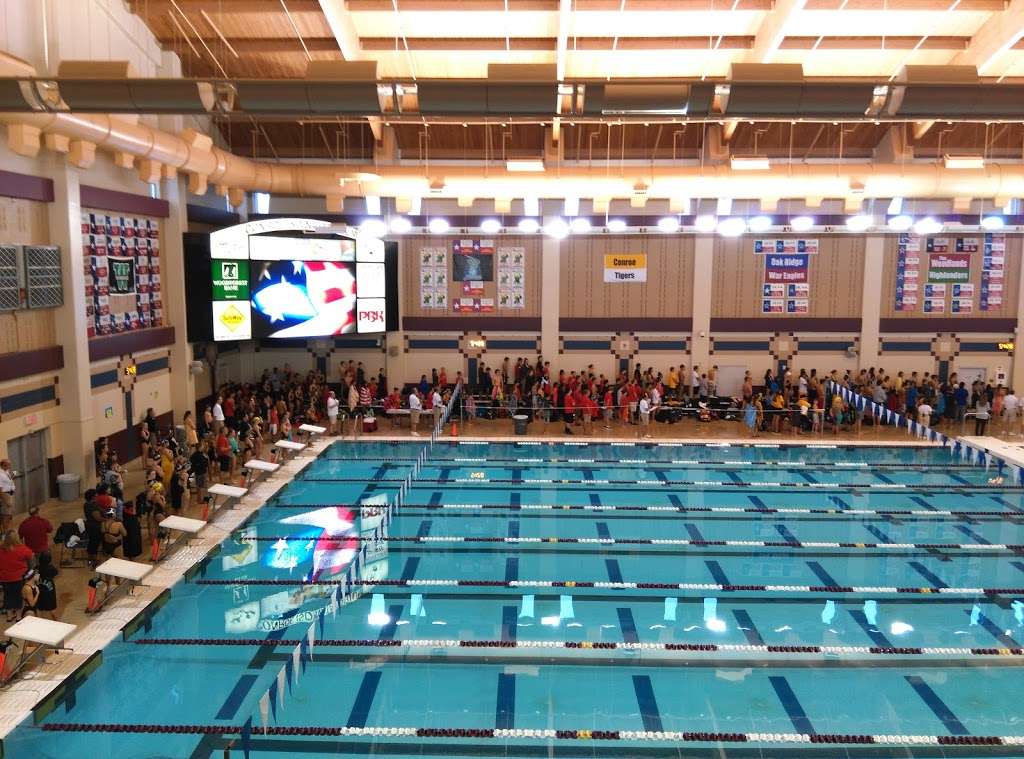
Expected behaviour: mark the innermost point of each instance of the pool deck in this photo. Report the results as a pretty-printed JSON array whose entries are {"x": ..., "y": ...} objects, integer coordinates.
[{"x": 19, "y": 699}]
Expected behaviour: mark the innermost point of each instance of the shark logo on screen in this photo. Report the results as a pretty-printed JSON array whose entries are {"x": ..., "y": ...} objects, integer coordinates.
[
  {"x": 306, "y": 298},
  {"x": 331, "y": 546}
]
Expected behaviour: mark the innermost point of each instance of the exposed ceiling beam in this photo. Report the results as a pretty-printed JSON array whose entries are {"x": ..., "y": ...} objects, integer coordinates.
[
  {"x": 562, "y": 45},
  {"x": 344, "y": 30},
  {"x": 773, "y": 30},
  {"x": 997, "y": 35}
]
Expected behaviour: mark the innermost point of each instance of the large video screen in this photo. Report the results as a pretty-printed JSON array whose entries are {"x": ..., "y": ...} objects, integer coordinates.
[{"x": 287, "y": 284}]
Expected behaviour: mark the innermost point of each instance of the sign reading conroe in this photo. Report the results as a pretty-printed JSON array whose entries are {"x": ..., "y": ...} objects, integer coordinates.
[{"x": 625, "y": 267}]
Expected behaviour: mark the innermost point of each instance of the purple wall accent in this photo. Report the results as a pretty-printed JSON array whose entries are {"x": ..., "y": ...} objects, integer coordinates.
[
  {"x": 958, "y": 324},
  {"x": 26, "y": 187},
  {"x": 123, "y": 202},
  {"x": 115, "y": 346},
  {"x": 26, "y": 363},
  {"x": 466, "y": 323},
  {"x": 786, "y": 324},
  {"x": 625, "y": 324}
]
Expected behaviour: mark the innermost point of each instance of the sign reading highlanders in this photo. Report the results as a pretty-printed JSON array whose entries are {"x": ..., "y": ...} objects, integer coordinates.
[{"x": 786, "y": 288}]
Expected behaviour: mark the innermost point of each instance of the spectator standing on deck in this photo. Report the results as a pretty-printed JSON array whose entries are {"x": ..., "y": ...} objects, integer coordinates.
[
  {"x": 982, "y": 411},
  {"x": 35, "y": 531},
  {"x": 332, "y": 413},
  {"x": 415, "y": 407},
  {"x": 15, "y": 559}
]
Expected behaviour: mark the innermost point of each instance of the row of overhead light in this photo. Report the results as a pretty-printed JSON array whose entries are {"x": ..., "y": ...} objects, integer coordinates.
[{"x": 729, "y": 226}]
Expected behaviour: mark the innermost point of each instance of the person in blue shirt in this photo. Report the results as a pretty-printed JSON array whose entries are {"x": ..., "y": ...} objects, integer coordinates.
[
  {"x": 911, "y": 399},
  {"x": 960, "y": 397}
]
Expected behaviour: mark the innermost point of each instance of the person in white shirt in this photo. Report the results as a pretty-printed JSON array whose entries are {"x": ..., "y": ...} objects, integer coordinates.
[
  {"x": 694, "y": 381},
  {"x": 436, "y": 404},
  {"x": 645, "y": 415},
  {"x": 332, "y": 412},
  {"x": 6, "y": 494},
  {"x": 1011, "y": 409},
  {"x": 218, "y": 415},
  {"x": 415, "y": 407},
  {"x": 924, "y": 413}
]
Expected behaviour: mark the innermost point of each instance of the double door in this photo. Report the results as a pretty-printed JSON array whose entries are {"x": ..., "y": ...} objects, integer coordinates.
[{"x": 28, "y": 459}]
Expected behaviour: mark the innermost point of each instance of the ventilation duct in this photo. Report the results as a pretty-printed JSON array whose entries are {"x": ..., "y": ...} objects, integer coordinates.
[
  {"x": 779, "y": 90},
  {"x": 693, "y": 100}
]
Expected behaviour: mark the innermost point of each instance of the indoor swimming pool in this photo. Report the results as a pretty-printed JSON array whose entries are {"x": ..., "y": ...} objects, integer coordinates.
[{"x": 582, "y": 600}]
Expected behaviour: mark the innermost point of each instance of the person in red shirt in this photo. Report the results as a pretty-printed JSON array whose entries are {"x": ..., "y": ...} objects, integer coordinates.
[
  {"x": 570, "y": 409},
  {"x": 15, "y": 559},
  {"x": 35, "y": 531}
]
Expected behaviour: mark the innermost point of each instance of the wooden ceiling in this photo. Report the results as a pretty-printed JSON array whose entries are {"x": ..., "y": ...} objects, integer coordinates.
[{"x": 415, "y": 39}]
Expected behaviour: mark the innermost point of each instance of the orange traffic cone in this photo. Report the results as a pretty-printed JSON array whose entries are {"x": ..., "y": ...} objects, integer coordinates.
[
  {"x": 91, "y": 600},
  {"x": 455, "y": 428}
]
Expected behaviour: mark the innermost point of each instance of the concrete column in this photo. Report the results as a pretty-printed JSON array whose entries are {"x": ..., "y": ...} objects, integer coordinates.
[
  {"x": 183, "y": 385},
  {"x": 1016, "y": 374},
  {"x": 703, "y": 269},
  {"x": 551, "y": 267},
  {"x": 74, "y": 432},
  {"x": 869, "y": 353}
]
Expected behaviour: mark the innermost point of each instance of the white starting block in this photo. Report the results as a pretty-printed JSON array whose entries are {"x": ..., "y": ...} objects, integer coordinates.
[
  {"x": 227, "y": 492},
  {"x": 287, "y": 446},
  {"x": 255, "y": 466},
  {"x": 45, "y": 633},
  {"x": 312, "y": 430},
  {"x": 185, "y": 527},
  {"x": 132, "y": 572}
]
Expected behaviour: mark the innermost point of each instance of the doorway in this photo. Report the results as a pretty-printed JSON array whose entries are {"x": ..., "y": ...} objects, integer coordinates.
[
  {"x": 971, "y": 374},
  {"x": 730, "y": 380},
  {"x": 28, "y": 458}
]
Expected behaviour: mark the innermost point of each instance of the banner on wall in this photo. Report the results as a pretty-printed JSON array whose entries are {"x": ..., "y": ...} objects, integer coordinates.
[
  {"x": 908, "y": 269},
  {"x": 512, "y": 278},
  {"x": 786, "y": 288},
  {"x": 121, "y": 275},
  {"x": 434, "y": 278},
  {"x": 785, "y": 246},
  {"x": 949, "y": 267},
  {"x": 473, "y": 305},
  {"x": 625, "y": 267},
  {"x": 992, "y": 272}
]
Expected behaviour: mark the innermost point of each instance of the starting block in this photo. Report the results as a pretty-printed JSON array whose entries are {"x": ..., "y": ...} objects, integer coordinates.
[
  {"x": 132, "y": 572},
  {"x": 45, "y": 633}
]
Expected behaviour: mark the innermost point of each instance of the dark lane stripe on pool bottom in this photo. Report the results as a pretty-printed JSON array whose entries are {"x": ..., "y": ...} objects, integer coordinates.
[
  {"x": 1003, "y": 502},
  {"x": 959, "y": 479},
  {"x": 937, "y": 705},
  {"x": 1019, "y": 565},
  {"x": 922, "y": 503},
  {"x": 235, "y": 698},
  {"x": 387, "y": 632},
  {"x": 505, "y": 709},
  {"x": 509, "y": 621},
  {"x": 746, "y": 624},
  {"x": 732, "y": 475},
  {"x": 424, "y": 529},
  {"x": 364, "y": 700},
  {"x": 614, "y": 572},
  {"x": 927, "y": 574},
  {"x": 791, "y": 704},
  {"x": 515, "y": 500},
  {"x": 693, "y": 531},
  {"x": 806, "y": 477},
  {"x": 788, "y": 536},
  {"x": 973, "y": 535},
  {"x": 588, "y": 472},
  {"x": 649, "y": 712},
  {"x": 717, "y": 572},
  {"x": 839, "y": 502},
  {"x": 993, "y": 629},
  {"x": 877, "y": 636},
  {"x": 595, "y": 499},
  {"x": 758, "y": 503},
  {"x": 882, "y": 537},
  {"x": 411, "y": 565},
  {"x": 883, "y": 478},
  {"x": 628, "y": 625},
  {"x": 602, "y": 530},
  {"x": 513, "y": 528},
  {"x": 511, "y": 569},
  {"x": 436, "y": 498},
  {"x": 822, "y": 574}
]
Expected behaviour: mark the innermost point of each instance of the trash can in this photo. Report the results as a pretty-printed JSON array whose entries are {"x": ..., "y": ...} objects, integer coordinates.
[
  {"x": 521, "y": 421},
  {"x": 67, "y": 486}
]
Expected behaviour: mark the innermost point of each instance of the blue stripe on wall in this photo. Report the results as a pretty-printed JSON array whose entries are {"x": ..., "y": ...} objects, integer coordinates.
[
  {"x": 148, "y": 367},
  {"x": 662, "y": 345},
  {"x": 916, "y": 347},
  {"x": 740, "y": 345},
  {"x": 992, "y": 347},
  {"x": 586, "y": 345},
  {"x": 27, "y": 398},
  {"x": 103, "y": 378},
  {"x": 512, "y": 345},
  {"x": 430, "y": 344},
  {"x": 824, "y": 345},
  {"x": 356, "y": 342}
]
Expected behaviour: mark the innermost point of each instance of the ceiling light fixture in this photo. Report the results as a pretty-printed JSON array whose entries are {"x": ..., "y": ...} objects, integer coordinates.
[
  {"x": 900, "y": 223},
  {"x": 580, "y": 225},
  {"x": 557, "y": 228},
  {"x": 927, "y": 226},
  {"x": 438, "y": 226},
  {"x": 572, "y": 206},
  {"x": 964, "y": 162},
  {"x": 525, "y": 165},
  {"x": 616, "y": 225},
  {"x": 668, "y": 224},
  {"x": 724, "y": 207},
  {"x": 416, "y": 206},
  {"x": 373, "y": 205},
  {"x": 749, "y": 163},
  {"x": 992, "y": 223},
  {"x": 529, "y": 226},
  {"x": 895, "y": 207},
  {"x": 531, "y": 206},
  {"x": 400, "y": 225},
  {"x": 801, "y": 223},
  {"x": 490, "y": 226},
  {"x": 760, "y": 223},
  {"x": 705, "y": 223},
  {"x": 733, "y": 226},
  {"x": 859, "y": 222},
  {"x": 373, "y": 228}
]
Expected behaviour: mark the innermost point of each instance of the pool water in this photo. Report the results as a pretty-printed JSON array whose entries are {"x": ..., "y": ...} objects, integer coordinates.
[{"x": 768, "y": 592}]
